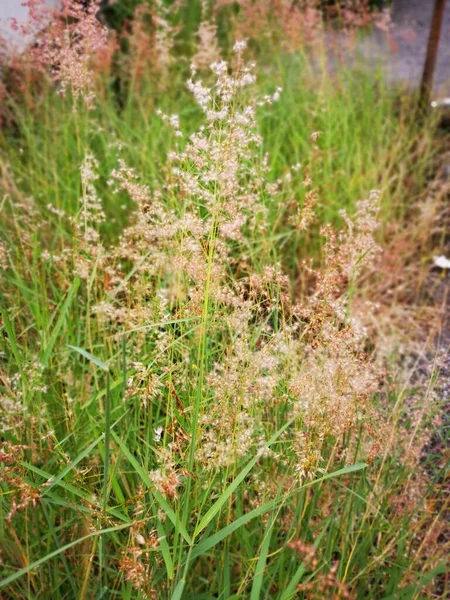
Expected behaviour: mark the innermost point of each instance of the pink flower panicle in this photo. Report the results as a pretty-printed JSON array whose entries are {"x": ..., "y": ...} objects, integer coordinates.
[{"x": 66, "y": 42}]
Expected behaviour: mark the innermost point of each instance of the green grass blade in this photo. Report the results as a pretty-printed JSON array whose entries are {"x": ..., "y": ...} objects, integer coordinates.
[
  {"x": 291, "y": 589},
  {"x": 157, "y": 495},
  {"x": 165, "y": 551},
  {"x": 11, "y": 333},
  {"x": 415, "y": 588},
  {"x": 178, "y": 590},
  {"x": 208, "y": 543},
  {"x": 54, "y": 481},
  {"x": 44, "y": 559},
  {"x": 107, "y": 442},
  {"x": 215, "y": 508},
  {"x": 90, "y": 357},
  {"x": 60, "y": 321},
  {"x": 67, "y": 486},
  {"x": 261, "y": 564}
]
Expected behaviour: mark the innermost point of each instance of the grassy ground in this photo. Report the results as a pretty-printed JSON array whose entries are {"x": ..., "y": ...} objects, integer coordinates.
[{"x": 194, "y": 401}]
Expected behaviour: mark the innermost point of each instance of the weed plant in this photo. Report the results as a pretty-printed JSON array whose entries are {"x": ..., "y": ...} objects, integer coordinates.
[{"x": 193, "y": 404}]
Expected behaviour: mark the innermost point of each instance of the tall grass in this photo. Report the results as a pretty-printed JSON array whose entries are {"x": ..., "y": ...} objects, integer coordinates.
[{"x": 193, "y": 405}]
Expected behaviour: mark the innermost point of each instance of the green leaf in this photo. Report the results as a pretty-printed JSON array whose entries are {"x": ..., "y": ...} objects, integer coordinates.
[
  {"x": 178, "y": 590},
  {"x": 44, "y": 559},
  {"x": 60, "y": 321},
  {"x": 107, "y": 442},
  {"x": 58, "y": 478},
  {"x": 215, "y": 508},
  {"x": 67, "y": 486},
  {"x": 208, "y": 543},
  {"x": 165, "y": 551},
  {"x": 261, "y": 564},
  {"x": 90, "y": 357},
  {"x": 411, "y": 590},
  {"x": 291, "y": 589},
  {"x": 11, "y": 332},
  {"x": 157, "y": 495}
]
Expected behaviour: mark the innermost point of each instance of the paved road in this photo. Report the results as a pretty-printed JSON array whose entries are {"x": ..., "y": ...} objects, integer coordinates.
[
  {"x": 401, "y": 51},
  {"x": 13, "y": 9}
]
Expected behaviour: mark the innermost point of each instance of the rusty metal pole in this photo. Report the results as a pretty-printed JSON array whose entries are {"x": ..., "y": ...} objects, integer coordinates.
[{"x": 432, "y": 49}]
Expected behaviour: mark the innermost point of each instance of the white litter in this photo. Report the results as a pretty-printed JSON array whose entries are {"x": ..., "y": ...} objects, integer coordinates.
[{"x": 442, "y": 262}]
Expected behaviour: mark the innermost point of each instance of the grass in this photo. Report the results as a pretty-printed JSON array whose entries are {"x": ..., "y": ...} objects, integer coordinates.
[{"x": 184, "y": 445}]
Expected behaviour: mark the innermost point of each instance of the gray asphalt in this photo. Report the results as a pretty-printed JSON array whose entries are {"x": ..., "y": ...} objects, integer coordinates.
[
  {"x": 13, "y": 9},
  {"x": 401, "y": 51}
]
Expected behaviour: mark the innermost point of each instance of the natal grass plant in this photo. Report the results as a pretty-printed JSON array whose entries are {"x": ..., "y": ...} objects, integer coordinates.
[
  {"x": 180, "y": 419},
  {"x": 368, "y": 136}
]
